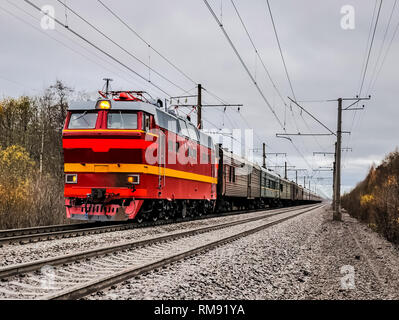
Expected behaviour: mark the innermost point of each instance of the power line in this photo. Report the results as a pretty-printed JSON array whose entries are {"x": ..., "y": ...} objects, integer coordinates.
[
  {"x": 242, "y": 62},
  {"x": 153, "y": 49},
  {"x": 368, "y": 41},
  {"x": 386, "y": 54},
  {"x": 286, "y": 72},
  {"x": 120, "y": 47},
  {"x": 370, "y": 48},
  {"x": 279, "y": 46},
  {"x": 257, "y": 52},
  {"x": 98, "y": 48},
  {"x": 146, "y": 42},
  {"x": 261, "y": 60},
  {"x": 250, "y": 75},
  {"x": 60, "y": 42},
  {"x": 242, "y": 117},
  {"x": 367, "y": 60},
  {"x": 382, "y": 45}
]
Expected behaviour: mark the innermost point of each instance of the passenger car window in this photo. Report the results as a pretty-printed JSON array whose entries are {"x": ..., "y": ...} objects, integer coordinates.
[
  {"x": 83, "y": 120},
  {"x": 122, "y": 120}
]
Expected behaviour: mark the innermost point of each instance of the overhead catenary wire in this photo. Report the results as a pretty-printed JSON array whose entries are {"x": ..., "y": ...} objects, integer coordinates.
[
  {"x": 150, "y": 46},
  {"x": 257, "y": 53},
  {"x": 364, "y": 73},
  {"x": 243, "y": 63},
  {"x": 386, "y": 52},
  {"x": 251, "y": 76},
  {"x": 370, "y": 48},
  {"x": 99, "y": 49},
  {"x": 259, "y": 140},
  {"x": 286, "y": 72},
  {"x": 122, "y": 48},
  {"x": 279, "y": 46},
  {"x": 47, "y": 34},
  {"x": 146, "y": 42},
  {"x": 382, "y": 46}
]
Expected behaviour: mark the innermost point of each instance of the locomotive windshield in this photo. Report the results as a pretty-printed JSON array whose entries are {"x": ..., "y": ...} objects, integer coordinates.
[
  {"x": 83, "y": 120},
  {"x": 119, "y": 120}
]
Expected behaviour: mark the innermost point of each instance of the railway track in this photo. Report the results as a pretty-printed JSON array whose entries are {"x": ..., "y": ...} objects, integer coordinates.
[
  {"x": 35, "y": 234},
  {"x": 76, "y": 275}
]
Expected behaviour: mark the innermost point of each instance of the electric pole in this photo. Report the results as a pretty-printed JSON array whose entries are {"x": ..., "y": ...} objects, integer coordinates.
[
  {"x": 107, "y": 82},
  {"x": 337, "y": 215},
  {"x": 296, "y": 173},
  {"x": 285, "y": 170},
  {"x": 199, "y": 107},
  {"x": 337, "y": 210},
  {"x": 334, "y": 175},
  {"x": 264, "y": 155}
]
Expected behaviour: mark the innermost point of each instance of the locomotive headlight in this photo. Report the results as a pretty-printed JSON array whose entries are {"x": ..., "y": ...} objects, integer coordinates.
[
  {"x": 133, "y": 179},
  {"x": 71, "y": 178},
  {"x": 104, "y": 104}
]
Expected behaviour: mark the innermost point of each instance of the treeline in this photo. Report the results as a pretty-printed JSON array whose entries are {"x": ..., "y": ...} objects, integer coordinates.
[
  {"x": 31, "y": 158},
  {"x": 376, "y": 199}
]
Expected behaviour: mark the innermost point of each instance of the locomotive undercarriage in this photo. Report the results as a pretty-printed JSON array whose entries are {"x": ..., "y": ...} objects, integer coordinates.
[
  {"x": 100, "y": 209},
  {"x": 152, "y": 210},
  {"x": 227, "y": 204},
  {"x": 95, "y": 209}
]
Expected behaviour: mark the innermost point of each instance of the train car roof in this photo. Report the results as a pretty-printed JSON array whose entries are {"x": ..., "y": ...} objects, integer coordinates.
[
  {"x": 273, "y": 174},
  {"x": 270, "y": 173},
  {"x": 249, "y": 163},
  {"x": 237, "y": 157}
]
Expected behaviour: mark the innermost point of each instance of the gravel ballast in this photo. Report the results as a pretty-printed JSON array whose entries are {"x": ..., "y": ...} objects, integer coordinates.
[
  {"x": 15, "y": 253},
  {"x": 308, "y": 257}
]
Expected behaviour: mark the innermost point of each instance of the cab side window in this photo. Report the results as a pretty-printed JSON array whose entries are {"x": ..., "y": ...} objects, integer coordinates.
[{"x": 146, "y": 122}]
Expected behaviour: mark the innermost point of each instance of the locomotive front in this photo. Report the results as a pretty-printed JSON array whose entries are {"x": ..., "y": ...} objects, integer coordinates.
[{"x": 107, "y": 173}]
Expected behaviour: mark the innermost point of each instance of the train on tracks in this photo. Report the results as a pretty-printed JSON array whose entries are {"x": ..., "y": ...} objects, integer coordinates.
[{"x": 126, "y": 157}]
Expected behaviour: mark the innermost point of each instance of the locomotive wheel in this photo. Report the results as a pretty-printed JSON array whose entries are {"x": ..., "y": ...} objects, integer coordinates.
[
  {"x": 200, "y": 210},
  {"x": 167, "y": 210},
  {"x": 139, "y": 218},
  {"x": 183, "y": 210},
  {"x": 173, "y": 210},
  {"x": 155, "y": 216}
]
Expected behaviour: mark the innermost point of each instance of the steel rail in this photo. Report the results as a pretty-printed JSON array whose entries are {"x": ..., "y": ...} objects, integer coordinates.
[
  {"x": 41, "y": 229},
  {"x": 82, "y": 290},
  {"x": 44, "y": 233},
  {"x": 17, "y": 269}
]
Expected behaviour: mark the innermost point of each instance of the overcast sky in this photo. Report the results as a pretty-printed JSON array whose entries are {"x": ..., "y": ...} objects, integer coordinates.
[{"x": 324, "y": 61}]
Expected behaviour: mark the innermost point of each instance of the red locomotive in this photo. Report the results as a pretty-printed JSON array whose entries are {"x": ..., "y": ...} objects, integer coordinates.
[
  {"x": 128, "y": 158},
  {"x": 127, "y": 155}
]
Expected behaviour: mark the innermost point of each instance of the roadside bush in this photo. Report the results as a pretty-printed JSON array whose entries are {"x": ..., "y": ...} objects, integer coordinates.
[
  {"x": 26, "y": 198},
  {"x": 31, "y": 157},
  {"x": 375, "y": 200}
]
